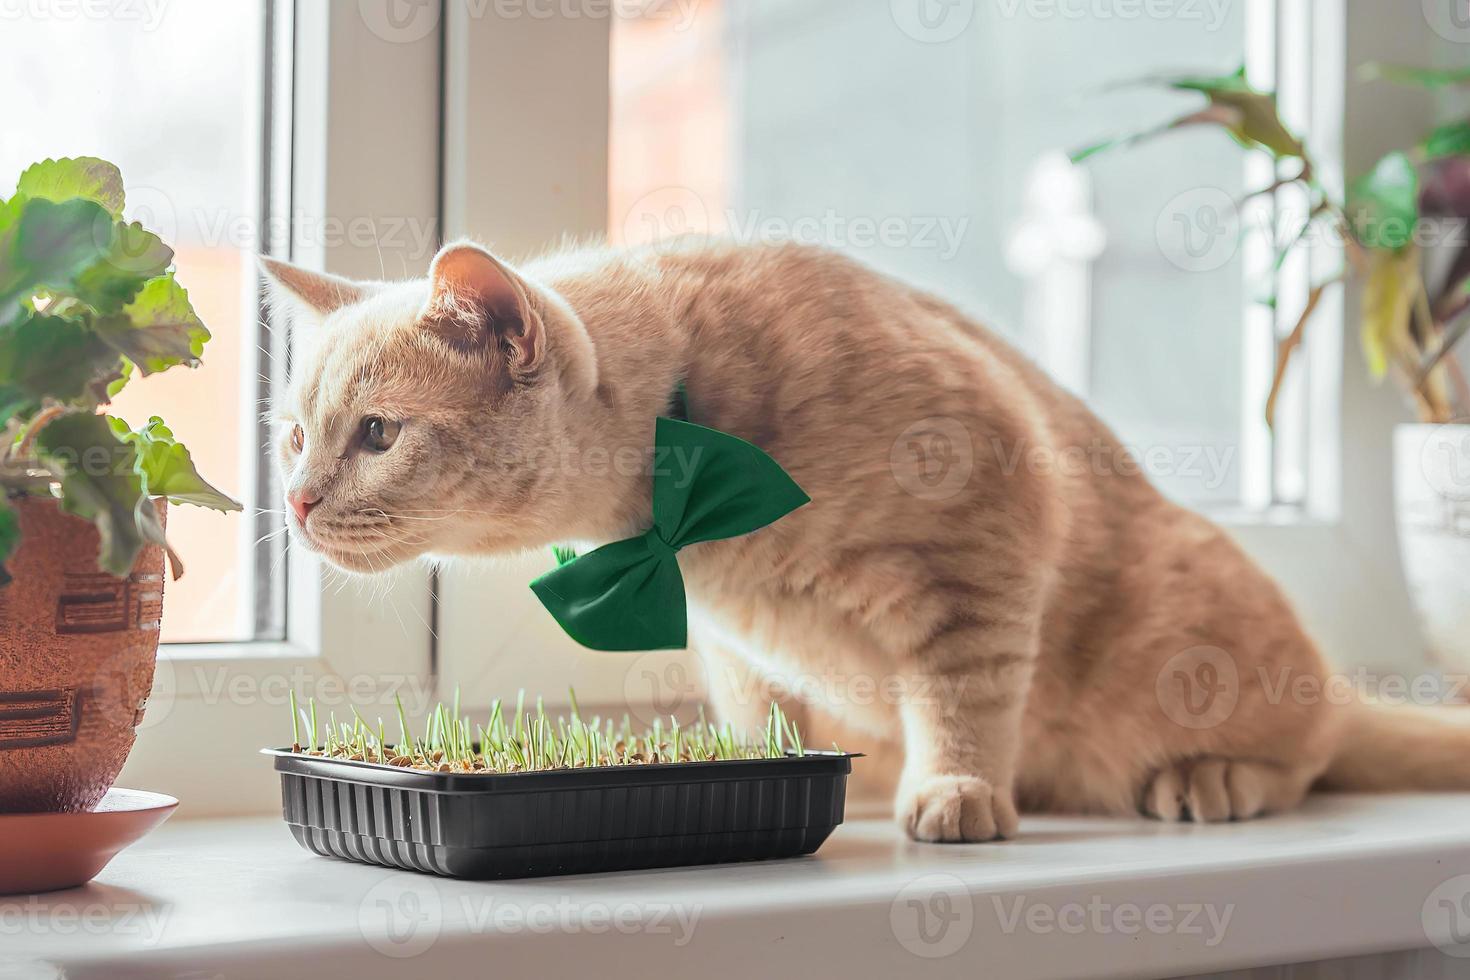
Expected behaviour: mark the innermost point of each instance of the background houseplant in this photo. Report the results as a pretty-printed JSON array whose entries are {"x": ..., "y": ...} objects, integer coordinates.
[
  {"x": 87, "y": 300},
  {"x": 1402, "y": 230}
]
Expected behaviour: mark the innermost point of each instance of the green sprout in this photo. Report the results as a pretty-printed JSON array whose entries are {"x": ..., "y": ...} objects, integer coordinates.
[
  {"x": 535, "y": 741},
  {"x": 295, "y": 723}
]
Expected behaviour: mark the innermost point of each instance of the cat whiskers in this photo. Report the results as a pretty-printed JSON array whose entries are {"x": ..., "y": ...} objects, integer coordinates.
[{"x": 270, "y": 535}]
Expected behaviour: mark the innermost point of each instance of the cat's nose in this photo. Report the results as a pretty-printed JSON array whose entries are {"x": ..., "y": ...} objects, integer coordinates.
[{"x": 302, "y": 502}]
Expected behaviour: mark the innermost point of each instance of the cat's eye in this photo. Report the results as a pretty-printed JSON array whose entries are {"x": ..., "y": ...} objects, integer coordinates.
[
  {"x": 378, "y": 433},
  {"x": 298, "y": 438}
]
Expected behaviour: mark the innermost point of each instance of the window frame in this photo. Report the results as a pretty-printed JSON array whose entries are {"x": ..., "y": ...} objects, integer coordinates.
[
  {"x": 231, "y": 696},
  {"x": 1335, "y": 552},
  {"x": 1335, "y": 555}
]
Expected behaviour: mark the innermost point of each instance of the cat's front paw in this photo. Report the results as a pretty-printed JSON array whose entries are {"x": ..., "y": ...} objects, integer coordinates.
[{"x": 955, "y": 809}]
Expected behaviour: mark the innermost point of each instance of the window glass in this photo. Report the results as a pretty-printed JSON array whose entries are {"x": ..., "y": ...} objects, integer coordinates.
[{"x": 171, "y": 93}]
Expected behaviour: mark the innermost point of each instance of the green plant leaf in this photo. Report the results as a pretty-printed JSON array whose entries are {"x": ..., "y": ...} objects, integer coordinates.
[
  {"x": 45, "y": 245},
  {"x": 135, "y": 257},
  {"x": 9, "y": 537},
  {"x": 49, "y": 357},
  {"x": 1383, "y": 204},
  {"x": 1449, "y": 140},
  {"x": 13, "y": 403},
  {"x": 158, "y": 329},
  {"x": 167, "y": 468},
  {"x": 1408, "y": 75},
  {"x": 100, "y": 483},
  {"x": 1248, "y": 115},
  {"x": 119, "y": 381},
  {"x": 1388, "y": 296},
  {"x": 84, "y": 177}
]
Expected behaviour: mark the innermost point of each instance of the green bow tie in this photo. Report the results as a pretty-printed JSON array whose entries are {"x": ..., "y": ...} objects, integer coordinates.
[{"x": 629, "y": 595}]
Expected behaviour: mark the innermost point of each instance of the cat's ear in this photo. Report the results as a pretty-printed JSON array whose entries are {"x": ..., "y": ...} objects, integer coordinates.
[
  {"x": 475, "y": 300},
  {"x": 316, "y": 294}
]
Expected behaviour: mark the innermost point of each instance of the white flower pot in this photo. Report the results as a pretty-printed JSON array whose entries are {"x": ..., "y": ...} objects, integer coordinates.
[{"x": 1432, "y": 496}]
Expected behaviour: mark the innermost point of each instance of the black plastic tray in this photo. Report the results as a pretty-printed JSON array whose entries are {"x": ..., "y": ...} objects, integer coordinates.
[{"x": 564, "y": 821}]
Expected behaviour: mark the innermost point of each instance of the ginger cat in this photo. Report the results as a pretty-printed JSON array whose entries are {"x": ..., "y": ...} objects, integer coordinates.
[{"x": 1039, "y": 633}]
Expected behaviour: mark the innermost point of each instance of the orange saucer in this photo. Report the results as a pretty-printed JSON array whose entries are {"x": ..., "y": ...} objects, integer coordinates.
[{"x": 41, "y": 852}]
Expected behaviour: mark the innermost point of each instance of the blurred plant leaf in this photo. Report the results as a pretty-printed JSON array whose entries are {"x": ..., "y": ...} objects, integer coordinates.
[
  {"x": 167, "y": 468},
  {"x": 1383, "y": 204},
  {"x": 1388, "y": 296},
  {"x": 1409, "y": 75},
  {"x": 1255, "y": 119},
  {"x": 1288, "y": 347},
  {"x": 158, "y": 329},
  {"x": 1447, "y": 140},
  {"x": 1444, "y": 188},
  {"x": 9, "y": 536},
  {"x": 1453, "y": 334},
  {"x": 85, "y": 177},
  {"x": 100, "y": 483},
  {"x": 1248, "y": 115}
]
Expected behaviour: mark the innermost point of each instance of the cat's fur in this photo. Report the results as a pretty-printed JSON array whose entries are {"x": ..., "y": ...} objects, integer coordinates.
[{"x": 1015, "y": 627}]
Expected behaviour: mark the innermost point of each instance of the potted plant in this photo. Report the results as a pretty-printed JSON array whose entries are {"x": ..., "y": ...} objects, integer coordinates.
[
  {"x": 87, "y": 301},
  {"x": 525, "y": 794},
  {"x": 1402, "y": 229}
]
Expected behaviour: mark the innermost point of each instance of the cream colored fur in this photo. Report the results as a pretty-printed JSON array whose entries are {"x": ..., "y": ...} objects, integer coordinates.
[{"x": 1009, "y": 638}]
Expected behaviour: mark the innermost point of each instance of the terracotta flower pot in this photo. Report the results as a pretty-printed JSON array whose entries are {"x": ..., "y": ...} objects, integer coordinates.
[{"x": 77, "y": 649}]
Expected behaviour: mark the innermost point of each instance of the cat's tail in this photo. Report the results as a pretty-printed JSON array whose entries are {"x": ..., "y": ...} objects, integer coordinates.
[{"x": 1399, "y": 747}]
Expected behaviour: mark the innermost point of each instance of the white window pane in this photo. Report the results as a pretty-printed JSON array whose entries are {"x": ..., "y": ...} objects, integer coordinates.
[
  {"x": 175, "y": 102},
  {"x": 912, "y": 144}
]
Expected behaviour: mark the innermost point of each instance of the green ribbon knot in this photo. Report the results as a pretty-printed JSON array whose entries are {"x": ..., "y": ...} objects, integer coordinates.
[{"x": 707, "y": 486}]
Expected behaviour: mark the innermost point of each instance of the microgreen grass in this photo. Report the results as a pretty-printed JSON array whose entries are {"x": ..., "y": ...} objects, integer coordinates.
[{"x": 534, "y": 741}]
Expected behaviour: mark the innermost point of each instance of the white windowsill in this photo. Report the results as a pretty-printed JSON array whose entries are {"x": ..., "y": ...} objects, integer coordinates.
[{"x": 1344, "y": 876}]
